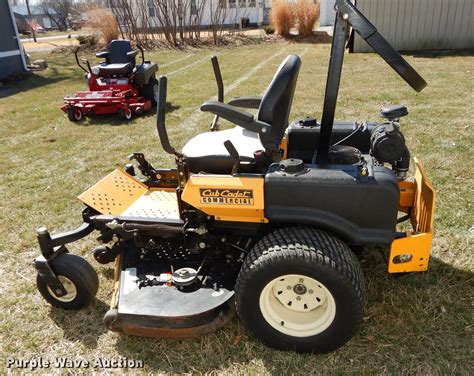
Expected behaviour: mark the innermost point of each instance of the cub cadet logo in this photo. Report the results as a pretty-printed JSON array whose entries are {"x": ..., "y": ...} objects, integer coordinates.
[{"x": 227, "y": 196}]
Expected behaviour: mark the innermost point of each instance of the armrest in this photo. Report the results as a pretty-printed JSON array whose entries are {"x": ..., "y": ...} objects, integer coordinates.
[
  {"x": 246, "y": 102},
  {"x": 132, "y": 53},
  {"x": 102, "y": 54},
  {"x": 236, "y": 116}
]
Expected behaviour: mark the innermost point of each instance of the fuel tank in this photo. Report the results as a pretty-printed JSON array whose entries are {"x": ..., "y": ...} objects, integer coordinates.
[{"x": 360, "y": 209}]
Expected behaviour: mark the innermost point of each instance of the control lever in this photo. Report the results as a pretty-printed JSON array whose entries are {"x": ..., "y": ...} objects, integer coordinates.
[
  {"x": 143, "y": 56},
  {"x": 79, "y": 63},
  {"x": 220, "y": 90},
  {"x": 234, "y": 155},
  {"x": 144, "y": 166},
  {"x": 160, "y": 118}
]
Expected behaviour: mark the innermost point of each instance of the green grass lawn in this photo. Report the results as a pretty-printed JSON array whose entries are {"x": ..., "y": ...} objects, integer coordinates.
[{"x": 419, "y": 323}]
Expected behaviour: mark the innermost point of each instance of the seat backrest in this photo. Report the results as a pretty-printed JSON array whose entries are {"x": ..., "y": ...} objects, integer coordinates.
[
  {"x": 276, "y": 103},
  {"x": 118, "y": 52}
]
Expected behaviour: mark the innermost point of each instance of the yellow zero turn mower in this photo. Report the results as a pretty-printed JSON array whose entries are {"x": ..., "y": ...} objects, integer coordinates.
[{"x": 263, "y": 219}]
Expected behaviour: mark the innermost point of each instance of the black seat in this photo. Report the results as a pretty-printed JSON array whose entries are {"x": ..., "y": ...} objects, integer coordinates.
[
  {"x": 206, "y": 152},
  {"x": 119, "y": 59}
]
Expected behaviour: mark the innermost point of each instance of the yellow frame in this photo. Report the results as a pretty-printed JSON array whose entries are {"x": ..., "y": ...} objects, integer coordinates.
[
  {"x": 251, "y": 211},
  {"x": 418, "y": 199}
]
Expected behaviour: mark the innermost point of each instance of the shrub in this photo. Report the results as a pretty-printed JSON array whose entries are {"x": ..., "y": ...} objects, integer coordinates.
[
  {"x": 281, "y": 17},
  {"x": 89, "y": 40},
  {"x": 306, "y": 13},
  {"x": 104, "y": 23},
  {"x": 269, "y": 29}
]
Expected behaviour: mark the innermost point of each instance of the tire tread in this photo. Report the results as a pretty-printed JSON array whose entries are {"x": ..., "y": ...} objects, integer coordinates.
[{"x": 310, "y": 245}]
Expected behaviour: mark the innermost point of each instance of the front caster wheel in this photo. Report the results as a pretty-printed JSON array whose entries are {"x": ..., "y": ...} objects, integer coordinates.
[
  {"x": 78, "y": 278},
  {"x": 125, "y": 113},
  {"x": 301, "y": 289},
  {"x": 74, "y": 114}
]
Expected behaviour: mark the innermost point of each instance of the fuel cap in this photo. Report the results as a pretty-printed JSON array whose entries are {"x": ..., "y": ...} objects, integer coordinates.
[{"x": 292, "y": 166}]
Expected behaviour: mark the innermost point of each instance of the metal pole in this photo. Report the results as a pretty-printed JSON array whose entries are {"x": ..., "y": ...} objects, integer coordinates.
[
  {"x": 31, "y": 19},
  {"x": 332, "y": 87}
]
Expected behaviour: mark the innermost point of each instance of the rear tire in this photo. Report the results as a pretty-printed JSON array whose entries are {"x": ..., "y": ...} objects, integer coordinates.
[
  {"x": 301, "y": 289},
  {"x": 78, "y": 278},
  {"x": 150, "y": 91}
]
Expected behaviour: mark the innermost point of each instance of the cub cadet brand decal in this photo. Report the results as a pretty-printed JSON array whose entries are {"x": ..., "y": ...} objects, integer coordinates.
[{"x": 226, "y": 196}]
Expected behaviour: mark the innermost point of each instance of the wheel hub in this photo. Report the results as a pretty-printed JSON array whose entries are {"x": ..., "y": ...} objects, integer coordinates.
[
  {"x": 300, "y": 289},
  {"x": 297, "y": 305},
  {"x": 71, "y": 291},
  {"x": 298, "y": 293}
]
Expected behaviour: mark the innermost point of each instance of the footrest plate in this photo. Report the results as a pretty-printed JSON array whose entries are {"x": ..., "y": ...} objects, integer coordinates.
[{"x": 121, "y": 195}]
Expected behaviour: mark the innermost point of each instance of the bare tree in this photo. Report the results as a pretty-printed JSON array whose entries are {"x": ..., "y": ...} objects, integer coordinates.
[
  {"x": 196, "y": 12},
  {"x": 175, "y": 21},
  {"x": 218, "y": 10},
  {"x": 57, "y": 11}
]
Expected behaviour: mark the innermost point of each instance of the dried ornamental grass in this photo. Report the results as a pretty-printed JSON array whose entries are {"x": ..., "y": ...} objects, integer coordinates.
[
  {"x": 306, "y": 13},
  {"x": 282, "y": 17},
  {"x": 104, "y": 23}
]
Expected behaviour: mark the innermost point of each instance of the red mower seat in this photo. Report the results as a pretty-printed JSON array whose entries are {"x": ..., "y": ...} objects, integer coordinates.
[{"x": 123, "y": 69}]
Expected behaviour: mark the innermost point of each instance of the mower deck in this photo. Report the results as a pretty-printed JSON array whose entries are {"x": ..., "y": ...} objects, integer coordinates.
[
  {"x": 146, "y": 303},
  {"x": 106, "y": 102}
]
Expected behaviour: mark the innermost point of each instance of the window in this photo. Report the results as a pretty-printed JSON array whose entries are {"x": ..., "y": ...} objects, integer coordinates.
[
  {"x": 151, "y": 8},
  {"x": 252, "y": 4},
  {"x": 232, "y": 3},
  {"x": 241, "y": 3}
]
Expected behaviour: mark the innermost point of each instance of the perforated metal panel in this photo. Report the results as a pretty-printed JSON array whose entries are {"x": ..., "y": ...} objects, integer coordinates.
[
  {"x": 154, "y": 204},
  {"x": 121, "y": 195},
  {"x": 114, "y": 193}
]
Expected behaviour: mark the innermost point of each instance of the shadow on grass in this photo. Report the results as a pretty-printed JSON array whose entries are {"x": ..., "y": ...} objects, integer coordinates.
[
  {"x": 318, "y": 37},
  {"x": 91, "y": 327},
  {"x": 115, "y": 120},
  {"x": 439, "y": 54},
  {"x": 28, "y": 81}
]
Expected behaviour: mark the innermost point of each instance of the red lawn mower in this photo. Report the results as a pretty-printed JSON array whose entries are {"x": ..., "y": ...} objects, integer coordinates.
[{"x": 116, "y": 86}]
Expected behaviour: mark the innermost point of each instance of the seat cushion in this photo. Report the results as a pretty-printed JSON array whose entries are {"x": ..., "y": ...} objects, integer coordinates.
[
  {"x": 115, "y": 69},
  {"x": 206, "y": 152}
]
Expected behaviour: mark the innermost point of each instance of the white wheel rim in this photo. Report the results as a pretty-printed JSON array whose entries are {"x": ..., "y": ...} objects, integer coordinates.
[
  {"x": 297, "y": 305},
  {"x": 70, "y": 288},
  {"x": 128, "y": 114},
  {"x": 77, "y": 114}
]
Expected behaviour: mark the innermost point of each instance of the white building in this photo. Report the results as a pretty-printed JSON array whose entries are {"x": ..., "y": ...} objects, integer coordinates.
[
  {"x": 327, "y": 12},
  {"x": 420, "y": 25},
  {"x": 256, "y": 11}
]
